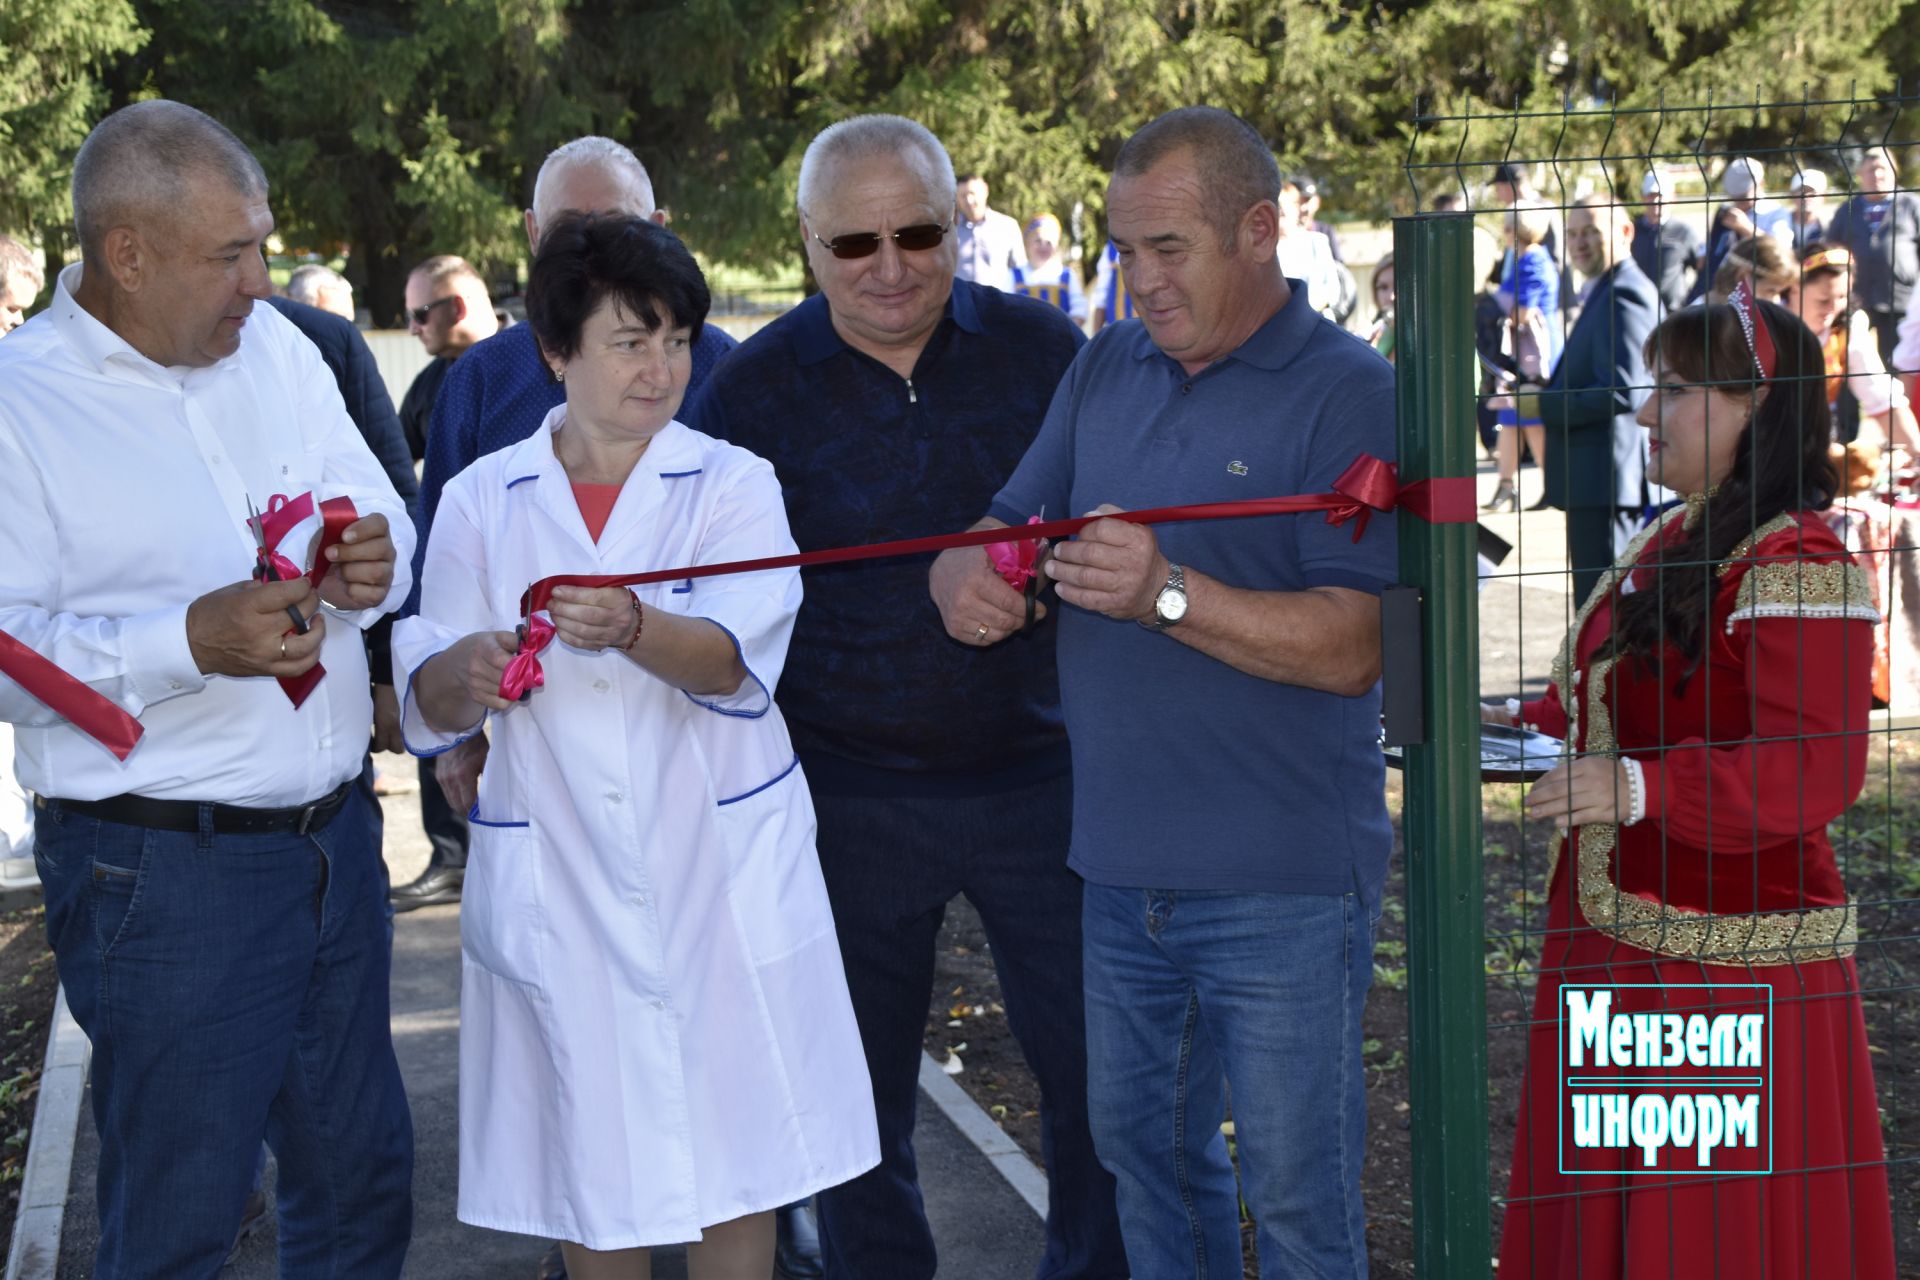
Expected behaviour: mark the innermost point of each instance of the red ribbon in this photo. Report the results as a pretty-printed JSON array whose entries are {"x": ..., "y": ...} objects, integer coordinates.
[
  {"x": 86, "y": 710},
  {"x": 523, "y": 674},
  {"x": 1367, "y": 486},
  {"x": 281, "y": 517}
]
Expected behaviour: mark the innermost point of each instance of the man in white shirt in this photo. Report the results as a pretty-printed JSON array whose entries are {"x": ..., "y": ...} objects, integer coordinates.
[
  {"x": 215, "y": 902},
  {"x": 990, "y": 242}
]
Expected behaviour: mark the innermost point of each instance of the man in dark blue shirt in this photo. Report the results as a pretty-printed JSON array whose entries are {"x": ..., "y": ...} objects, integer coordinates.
[
  {"x": 895, "y": 403},
  {"x": 1220, "y": 681}
]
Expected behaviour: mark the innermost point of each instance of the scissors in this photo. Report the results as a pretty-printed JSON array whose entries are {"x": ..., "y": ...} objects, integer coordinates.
[
  {"x": 263, "y": 567},
  {"x": 1036, "y": 583}
]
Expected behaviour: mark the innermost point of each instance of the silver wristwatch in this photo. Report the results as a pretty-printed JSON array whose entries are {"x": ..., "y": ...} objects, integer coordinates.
[{"x": 1171, "y": 604}]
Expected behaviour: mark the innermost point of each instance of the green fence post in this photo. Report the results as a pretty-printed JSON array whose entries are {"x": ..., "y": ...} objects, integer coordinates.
[{"x": 1447, "y": 1066}]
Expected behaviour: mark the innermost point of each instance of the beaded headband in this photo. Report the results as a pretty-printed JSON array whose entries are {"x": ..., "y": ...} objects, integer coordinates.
[{"x": 1759, "y": 337}]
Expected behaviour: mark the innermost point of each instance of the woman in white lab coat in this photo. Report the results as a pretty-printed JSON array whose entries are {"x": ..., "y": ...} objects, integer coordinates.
[{"x": 656, "y": 1043}]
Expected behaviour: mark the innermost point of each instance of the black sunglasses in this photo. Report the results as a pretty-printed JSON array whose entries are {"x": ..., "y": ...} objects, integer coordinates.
[
  {"x": 864, "y": 244},
  {"x": 421, "y": 313}
]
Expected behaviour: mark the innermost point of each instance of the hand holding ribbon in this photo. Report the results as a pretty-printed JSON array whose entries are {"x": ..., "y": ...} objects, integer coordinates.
[{"x": 336, "y": 516}]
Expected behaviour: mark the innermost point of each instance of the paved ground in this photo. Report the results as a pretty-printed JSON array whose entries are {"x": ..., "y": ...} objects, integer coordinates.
[{"x": 984, "y": 1229}]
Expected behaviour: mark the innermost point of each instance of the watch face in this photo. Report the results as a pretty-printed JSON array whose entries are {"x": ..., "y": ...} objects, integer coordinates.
[{"x": 1170, "y": 604}]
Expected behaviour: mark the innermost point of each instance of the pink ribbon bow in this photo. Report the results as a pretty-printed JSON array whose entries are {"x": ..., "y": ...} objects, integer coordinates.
[
  {"x": 1014, "y": 561},
  {"x": 524, "y": 674}
]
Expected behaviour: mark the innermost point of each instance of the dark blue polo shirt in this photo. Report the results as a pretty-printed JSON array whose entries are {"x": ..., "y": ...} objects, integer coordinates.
[
  {"x": 1189, "y": 774},
  {"x": 878, "y": 698}
]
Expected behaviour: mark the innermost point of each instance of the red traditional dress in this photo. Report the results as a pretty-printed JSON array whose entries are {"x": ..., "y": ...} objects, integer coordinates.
[{"x": 1728, "y": 879}]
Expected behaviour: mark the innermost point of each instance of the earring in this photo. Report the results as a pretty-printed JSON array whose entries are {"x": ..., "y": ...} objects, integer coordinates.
[{"x": 559, "y": 375}]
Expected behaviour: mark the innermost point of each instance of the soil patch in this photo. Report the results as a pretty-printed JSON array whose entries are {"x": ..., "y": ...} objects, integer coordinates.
[{"x": 27, "y": 987}]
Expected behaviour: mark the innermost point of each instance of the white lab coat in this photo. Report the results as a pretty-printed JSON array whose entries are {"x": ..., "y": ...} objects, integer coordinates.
[{"x": 655, "y": 1032}]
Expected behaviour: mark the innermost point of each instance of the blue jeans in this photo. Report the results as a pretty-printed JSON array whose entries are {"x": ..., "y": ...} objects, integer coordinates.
[
  {"x": 1190, "y": 994},
  {"x": 235, "y": 989},
  {"x": 891, "y": 865}
]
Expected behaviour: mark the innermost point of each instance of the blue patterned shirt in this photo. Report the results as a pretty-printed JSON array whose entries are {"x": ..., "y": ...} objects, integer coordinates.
[{"x": 498, "y": 394}]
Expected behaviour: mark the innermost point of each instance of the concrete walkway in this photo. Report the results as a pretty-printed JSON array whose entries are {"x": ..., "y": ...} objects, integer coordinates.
[{"x": 986, "y": 1230}]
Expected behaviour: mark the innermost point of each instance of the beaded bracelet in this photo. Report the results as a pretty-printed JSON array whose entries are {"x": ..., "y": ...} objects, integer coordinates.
[{"x": 639, "y": 622}]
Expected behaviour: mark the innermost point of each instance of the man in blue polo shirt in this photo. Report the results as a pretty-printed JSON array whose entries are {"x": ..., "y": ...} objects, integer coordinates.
[
  {"x": 1220, "y": 687},
  {"x": 893, "y": 403}
]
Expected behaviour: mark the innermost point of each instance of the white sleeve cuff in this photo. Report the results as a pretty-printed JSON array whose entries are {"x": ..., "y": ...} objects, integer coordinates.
[
  {"x": 1636, "y": 791},
  {"x": 159, "y": 660}
]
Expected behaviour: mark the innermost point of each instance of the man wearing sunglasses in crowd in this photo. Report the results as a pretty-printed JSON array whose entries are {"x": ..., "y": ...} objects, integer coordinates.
[
  {"x": 893, "y": 403},
  {"x": 449, "y": 310}
]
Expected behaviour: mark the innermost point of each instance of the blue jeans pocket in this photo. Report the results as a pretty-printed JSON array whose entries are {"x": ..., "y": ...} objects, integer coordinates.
[{"x": 117, "y": 888}]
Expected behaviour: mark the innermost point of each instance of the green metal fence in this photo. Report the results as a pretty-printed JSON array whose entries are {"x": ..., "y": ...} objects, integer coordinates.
[{"x": 1478, "y": 867}]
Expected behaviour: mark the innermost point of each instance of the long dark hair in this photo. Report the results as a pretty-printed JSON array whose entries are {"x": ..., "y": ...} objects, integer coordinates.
[{"x": 1781, "y": 464}]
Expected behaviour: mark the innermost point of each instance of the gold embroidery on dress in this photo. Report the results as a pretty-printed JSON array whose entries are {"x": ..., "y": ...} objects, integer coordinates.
[
  {"x": 1791, "y": 589},
  {"x": 1756, "y": 938}
]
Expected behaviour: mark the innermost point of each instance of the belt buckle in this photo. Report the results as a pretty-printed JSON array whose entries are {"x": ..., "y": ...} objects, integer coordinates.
[{"x": 306, "y": 819}]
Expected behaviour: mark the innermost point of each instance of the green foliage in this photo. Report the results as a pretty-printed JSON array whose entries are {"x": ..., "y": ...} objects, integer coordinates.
[
  {"x": 414, "y": 126},
  {"x": 51, "y": 55}
]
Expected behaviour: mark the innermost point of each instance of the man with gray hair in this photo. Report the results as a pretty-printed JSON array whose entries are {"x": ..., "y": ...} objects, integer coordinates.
[
  {"x": 1221, "y": 689},
  {"x": 322, "y": 287},
  {"x": 214, "y": 900},
  {"x": 894, "y": 403},
  {"x": 21, "y": 279}
]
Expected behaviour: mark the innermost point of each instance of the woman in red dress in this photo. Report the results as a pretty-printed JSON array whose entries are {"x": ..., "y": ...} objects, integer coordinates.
[{"x": 1715, "y": 690}]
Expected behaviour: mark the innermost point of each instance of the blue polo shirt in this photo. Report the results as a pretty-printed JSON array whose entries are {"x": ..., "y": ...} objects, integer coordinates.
[
  {"x": 496, "y": 395},
  {"x": 1189, "y": 774},
  {"x": 880, "y": 701}
]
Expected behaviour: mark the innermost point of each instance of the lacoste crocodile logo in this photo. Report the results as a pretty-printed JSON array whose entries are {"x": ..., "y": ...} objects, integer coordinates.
[{"x": 1236, "y": 468}]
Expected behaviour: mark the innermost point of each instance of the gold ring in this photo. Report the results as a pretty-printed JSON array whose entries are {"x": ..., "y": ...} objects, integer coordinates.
[
  {"x": 283, "y": 646},
  {"x": 981, "y": 634}
]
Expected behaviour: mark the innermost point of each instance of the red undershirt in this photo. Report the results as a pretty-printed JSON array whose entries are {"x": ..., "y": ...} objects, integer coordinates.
[{"x": 596, "y": 504}]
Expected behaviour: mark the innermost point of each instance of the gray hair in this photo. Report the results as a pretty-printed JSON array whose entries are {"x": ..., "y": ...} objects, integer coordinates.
[
  {"x": 1237, "y": 164},
  {"x": 16, "y": 257},
  {"x": 870, "y": 137},
  {"x": 137, "y": 162},
  {"x": 593, "y": 150},
  {"x": 311, "y": 283}
]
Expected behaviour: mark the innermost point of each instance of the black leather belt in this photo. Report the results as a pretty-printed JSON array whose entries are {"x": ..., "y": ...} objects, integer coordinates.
[{"x": 228, "y": 819}]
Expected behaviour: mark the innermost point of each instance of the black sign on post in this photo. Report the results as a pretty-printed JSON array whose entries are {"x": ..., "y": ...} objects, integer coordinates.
[{"x": 1403, "y": 694}]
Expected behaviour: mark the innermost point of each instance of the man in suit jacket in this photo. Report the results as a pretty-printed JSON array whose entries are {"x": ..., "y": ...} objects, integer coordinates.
[{"x": 1596, "y": 461}]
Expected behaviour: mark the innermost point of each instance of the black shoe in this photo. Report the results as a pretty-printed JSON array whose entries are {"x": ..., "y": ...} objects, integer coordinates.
[
  {"x": 553, "y": 1266},
  {"x": 250, "y": 1220},
  {"x": 1542, "y": 505},
  {"x": 435, "y": 886},
  {"x": 796, "y": 1255}
]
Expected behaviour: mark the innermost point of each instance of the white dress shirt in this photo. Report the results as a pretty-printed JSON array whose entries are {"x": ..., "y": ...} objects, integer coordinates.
[
  {"x": 123, "y": 498},
  {"x": 990, "y": 249}
]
